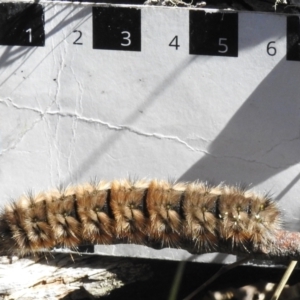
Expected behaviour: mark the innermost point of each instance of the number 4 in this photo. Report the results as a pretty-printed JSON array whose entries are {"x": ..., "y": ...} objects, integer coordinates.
[{"x": 174, "y": 42}]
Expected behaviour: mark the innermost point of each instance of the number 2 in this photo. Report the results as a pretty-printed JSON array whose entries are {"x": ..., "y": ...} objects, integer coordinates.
[
  {"x": 79, "y": 37},
  {"x": 126, "y": 38}
]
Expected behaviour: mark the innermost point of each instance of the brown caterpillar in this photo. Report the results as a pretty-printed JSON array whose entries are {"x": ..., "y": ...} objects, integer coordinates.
[{"x": 138, "y": 212}]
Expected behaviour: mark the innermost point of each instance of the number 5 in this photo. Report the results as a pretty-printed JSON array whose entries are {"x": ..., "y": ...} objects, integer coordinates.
[{"x": 223, "y": 45}]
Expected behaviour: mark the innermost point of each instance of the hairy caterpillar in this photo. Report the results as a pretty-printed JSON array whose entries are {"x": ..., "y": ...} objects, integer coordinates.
[{"x": 138, "y": 212}]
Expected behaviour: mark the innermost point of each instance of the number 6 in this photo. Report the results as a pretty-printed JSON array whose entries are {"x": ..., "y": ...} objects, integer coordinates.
[{"x": 271, "y": 50}]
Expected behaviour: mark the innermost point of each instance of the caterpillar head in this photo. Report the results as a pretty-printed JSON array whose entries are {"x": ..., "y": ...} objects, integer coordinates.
[{"x": 7, "y": 243}]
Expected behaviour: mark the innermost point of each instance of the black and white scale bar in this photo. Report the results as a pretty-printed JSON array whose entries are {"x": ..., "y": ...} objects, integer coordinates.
[
  {"x": 117, "y": 28},
  {"x": 120, "y": 28},
  {"x": 293, "y": 38},
  {"x": 22, "y": 24},
  {"x": 213, "y": 34}
]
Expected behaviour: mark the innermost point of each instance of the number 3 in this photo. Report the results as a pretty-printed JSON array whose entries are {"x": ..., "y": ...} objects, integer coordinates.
[{"x": 127, "y": 38}]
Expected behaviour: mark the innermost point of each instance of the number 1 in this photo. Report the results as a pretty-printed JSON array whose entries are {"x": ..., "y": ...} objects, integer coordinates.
[{"x": 30, "y": 36}]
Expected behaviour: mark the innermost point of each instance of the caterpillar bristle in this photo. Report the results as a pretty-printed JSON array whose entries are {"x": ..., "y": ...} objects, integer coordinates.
[
  {"x": 163, "y": 203},
  {"x": 265, "y": 218},
  {"x": 140, "y": 212},
  {"x": 200, "y": 215},
  {"x": 36, "y": 225},
  {"x": 61, "y": 214},
  {"x": 96, "y": 225},
  {"x": 15, "y": 217},
  {"x": 127, "y": 207},
  {"x": 234, "y": 219}
]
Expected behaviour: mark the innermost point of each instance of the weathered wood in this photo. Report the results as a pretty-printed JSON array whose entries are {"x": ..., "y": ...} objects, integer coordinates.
[
  {"x": 62, "y": 275},
  {"x": 59, "y": 275}
]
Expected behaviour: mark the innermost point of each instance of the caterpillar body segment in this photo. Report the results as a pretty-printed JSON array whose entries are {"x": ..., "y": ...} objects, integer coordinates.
[
  {"x": 140, "y": 212},
  {"x": 201, "y": 215}
]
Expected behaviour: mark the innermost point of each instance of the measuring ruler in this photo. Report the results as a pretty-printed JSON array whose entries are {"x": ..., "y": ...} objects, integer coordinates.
[
  {"x": 210, "y": 33},
  {"x": 117, "y": 90}
]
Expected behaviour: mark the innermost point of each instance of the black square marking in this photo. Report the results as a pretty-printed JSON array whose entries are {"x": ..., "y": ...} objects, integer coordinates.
[
  {"x": 22, "y": 24},
  {"x": 293, "y": 38},
  {"x": 213, "y": 33},
  {"x": 117, "y": 28}
]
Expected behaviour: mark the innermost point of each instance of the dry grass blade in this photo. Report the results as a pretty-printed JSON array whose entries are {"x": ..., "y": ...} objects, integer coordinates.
[
  {"x": 177, "y": 280},
  {"x": 284, "y": 279}
]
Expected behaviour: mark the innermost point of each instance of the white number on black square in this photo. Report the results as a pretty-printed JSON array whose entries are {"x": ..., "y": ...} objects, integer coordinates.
[
  {"x": 213, "y": 33},
  {"x": 21, "y": 24},
  {"x": 117, "y": 28}
]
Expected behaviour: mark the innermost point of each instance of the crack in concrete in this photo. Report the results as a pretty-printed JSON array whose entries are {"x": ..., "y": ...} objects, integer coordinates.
[
  {"x": 118, "y": 127},
  {"x": 252, "y": 161},
  {"x": 106, "y": 124},
  {"x": 127, "y": 128},
  {"x": 24, "y": 132}
]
